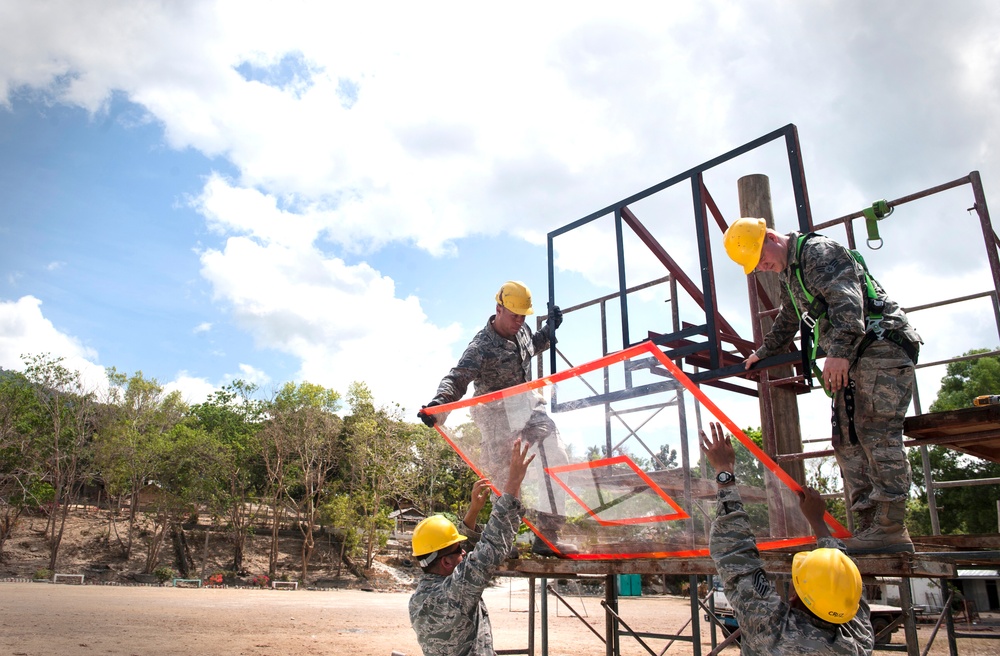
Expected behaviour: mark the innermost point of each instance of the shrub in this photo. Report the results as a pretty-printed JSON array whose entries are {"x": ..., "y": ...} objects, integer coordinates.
[
  {"x": 163, "y": 574},
  {"x": 43, "y": 573}
]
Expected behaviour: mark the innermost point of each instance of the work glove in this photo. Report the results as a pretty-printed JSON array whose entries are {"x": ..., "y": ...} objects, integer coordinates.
[
  {"x": 428, "y": 419},
  {"x": 555, "y": 319},
  {"x": 555, "y": 316}
]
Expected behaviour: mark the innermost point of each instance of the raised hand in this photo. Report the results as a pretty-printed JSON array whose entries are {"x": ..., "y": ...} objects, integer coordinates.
[
  {"x": 718, "y": 449},
  {"x": 519, "y": 461},
  {"x": 480, "y": 493}
]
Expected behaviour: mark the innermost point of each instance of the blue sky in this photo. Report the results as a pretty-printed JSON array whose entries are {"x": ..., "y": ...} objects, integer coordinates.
[{"x": 312, "y": 192}]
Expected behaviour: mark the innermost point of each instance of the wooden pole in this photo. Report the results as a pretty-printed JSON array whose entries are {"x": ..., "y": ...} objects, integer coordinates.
[{"x": 779, "y": 407}]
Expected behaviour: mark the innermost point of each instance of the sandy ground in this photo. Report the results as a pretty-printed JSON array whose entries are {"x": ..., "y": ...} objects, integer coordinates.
[{"x": 39, "y": 618}]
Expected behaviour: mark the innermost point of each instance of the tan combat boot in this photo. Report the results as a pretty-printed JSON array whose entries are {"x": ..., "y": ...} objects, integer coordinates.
[
  {"x": 886, "y": 534},
  {"x": 863, "y": 519}
]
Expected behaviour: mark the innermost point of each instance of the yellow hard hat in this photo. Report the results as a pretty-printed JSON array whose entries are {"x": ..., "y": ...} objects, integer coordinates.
[
  {"x": 828, "y": 583},
  {"x": 516, "y": 297},
  {"x": 744, "y": 241},
  {"x": 432, "y": 535}
]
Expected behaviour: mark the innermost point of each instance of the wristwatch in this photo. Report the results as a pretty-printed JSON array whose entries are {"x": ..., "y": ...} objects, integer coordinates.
[{"x": 725, "y": 477}]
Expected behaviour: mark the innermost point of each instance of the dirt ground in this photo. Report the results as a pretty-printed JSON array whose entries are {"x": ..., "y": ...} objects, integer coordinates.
[
  {"x": 352, "y": 619},
  {"x": 44, "y": 619}
]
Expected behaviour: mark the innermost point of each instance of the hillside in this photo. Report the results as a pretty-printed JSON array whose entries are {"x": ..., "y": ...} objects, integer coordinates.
[{"x": 86, "y": 549}]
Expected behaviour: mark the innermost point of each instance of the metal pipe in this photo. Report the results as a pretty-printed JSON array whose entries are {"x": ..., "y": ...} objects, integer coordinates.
[
  {"x": 937, "y": 625},
  {"x": 619, "y": 620},
  {"x": 846, "y": 219},
  {"x": 545, "y": 616},
  {"x": 968, "y": 482},
  {"x": 573, "y": 610}
]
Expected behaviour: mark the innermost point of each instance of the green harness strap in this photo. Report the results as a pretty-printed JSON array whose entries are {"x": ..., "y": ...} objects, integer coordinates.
[{"x": 879, "y": 210}]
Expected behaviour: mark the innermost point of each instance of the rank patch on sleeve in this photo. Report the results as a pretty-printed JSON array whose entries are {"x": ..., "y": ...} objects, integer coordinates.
[{"x": 760, "y": 584}]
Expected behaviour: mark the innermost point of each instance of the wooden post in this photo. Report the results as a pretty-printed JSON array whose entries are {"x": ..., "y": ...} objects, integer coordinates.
[{"x": 755, "y": 201}]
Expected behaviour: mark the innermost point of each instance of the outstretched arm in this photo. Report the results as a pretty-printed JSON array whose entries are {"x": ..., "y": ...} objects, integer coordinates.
[{"x": 735, "y": 554}]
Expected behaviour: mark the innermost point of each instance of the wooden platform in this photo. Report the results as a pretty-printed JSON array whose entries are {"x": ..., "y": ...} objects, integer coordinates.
[
  {"x": 924, "y": 565},
  {"x": 975, "y": 431}
]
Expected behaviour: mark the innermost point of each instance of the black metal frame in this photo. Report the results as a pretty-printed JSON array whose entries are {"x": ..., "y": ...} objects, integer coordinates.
[{"x": 701, "y": 201}]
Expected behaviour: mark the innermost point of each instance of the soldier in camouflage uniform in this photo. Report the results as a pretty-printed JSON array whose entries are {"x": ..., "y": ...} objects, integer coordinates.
[
  {"x": 771, "y": 626},
  {"x": 498, "y": 357},
  {"x": 447, "y": 611},
  {"x": 869, "y": 366}
]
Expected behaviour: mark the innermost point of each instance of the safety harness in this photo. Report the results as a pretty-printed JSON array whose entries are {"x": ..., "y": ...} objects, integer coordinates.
[
  {"x": 809, "y": 327},
  {"x": 816, "y": 308}
]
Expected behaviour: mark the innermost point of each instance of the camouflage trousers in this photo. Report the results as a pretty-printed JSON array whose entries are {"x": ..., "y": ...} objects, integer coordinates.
[
  {"x": 499, "y": 429},
  {"x": 874, "y": 467}
]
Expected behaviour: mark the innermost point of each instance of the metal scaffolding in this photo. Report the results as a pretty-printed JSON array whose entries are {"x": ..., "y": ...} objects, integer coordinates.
[{"x": 711, "y": 352}]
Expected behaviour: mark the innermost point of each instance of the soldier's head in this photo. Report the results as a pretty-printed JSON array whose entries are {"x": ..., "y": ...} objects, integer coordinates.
[
  {"x": 828, "y": 583},
  {"x": 513, "y": 305},
  {"x": 755, "y": 247},
  {"x": 437, "y": 546}
]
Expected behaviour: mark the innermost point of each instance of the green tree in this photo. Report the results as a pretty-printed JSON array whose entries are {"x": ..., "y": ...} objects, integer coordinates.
[
  {"x": 966, "y": 379},
  {"x": 442, "y": 479},
  {"x": 967, "y": 509},
  {"x": 307, "y": 414},
  {"x": 340, "y": 512},
  {"x": 665, "y": 458},
  {"x": 135, "y": 413},
  {"x": 234, "y": 418},
  {"x": 961, "y": 510},
  {"x": 63, "y": 437},
  {"x": 20, "y": 483},
  {"x": 187, "y": 461},
  {"x": 379, "y": 451}
]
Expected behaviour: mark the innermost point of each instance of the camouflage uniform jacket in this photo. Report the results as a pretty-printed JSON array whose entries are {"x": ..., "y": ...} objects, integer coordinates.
[
  {"x": 829, "y": 271},
  {"x": 491, "y": 362},
  {"x": 448, "y": 612},
  {"x": 770, "y": 626}
]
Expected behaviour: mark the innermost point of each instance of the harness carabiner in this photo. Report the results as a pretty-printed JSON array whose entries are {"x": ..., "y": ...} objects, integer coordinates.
[{"x": 874, "y": 325}]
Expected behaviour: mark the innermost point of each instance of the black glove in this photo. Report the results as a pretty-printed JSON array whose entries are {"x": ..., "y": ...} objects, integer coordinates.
[
  {"x": 428, "y": 419},
  {"x": 555, "y": 316},
  {"x": 555, "y": 320}
]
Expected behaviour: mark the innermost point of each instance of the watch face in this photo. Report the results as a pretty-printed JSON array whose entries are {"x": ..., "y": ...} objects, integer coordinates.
[{"x": 725, "y": 477}]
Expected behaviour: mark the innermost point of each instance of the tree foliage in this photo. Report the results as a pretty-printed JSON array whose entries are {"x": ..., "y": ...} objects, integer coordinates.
[
  {"x": 234, "y": 418},
  {"x": 62, "y": 430},
  {"x": 298, "y": 456},
  {"x": 966, "y": 509},
  {"x": 967, "y": 379}
]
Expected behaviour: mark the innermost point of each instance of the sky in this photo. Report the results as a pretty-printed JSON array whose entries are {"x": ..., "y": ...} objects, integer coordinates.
[{"x": 207, "y": 191}]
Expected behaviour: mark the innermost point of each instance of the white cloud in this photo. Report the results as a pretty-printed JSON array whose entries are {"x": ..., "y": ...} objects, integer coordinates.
[
  {"x": 203, "y": 327},
  {"x": 467, "y": 121},
  {"x": 252, "y": 374},
  {"x": 343, "y": 322},
  {"x": 24, "y": 331},
  {"x": 192, "y": 389}
]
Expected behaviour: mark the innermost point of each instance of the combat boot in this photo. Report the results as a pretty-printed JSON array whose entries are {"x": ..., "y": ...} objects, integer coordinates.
[
  {"x": 886, "y": 534},
  {"x": 863, "y": 519}
]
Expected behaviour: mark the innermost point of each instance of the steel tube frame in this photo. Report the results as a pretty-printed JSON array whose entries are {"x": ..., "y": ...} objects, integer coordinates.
[{"x": 715, "y": 329}]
